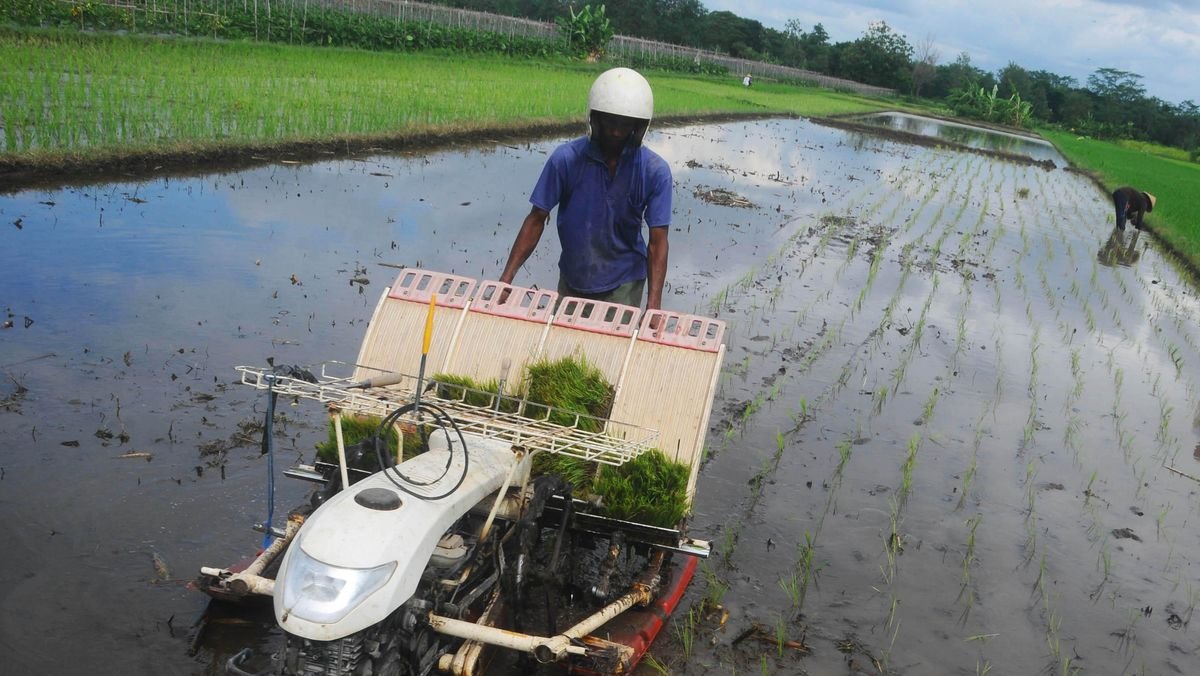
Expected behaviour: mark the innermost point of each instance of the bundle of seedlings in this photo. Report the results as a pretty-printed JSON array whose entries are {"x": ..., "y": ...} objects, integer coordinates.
[
  {"x": 472, "y": 393},
  {"x": 650, "y": 489},
  {"x": 358, "y": 437},
  {"x": 580, "y": 473},
  {"x": 569, "y": 392}
]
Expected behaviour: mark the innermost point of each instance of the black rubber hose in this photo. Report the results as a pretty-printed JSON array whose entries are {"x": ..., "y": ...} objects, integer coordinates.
[{"x": 443, "y": 421}]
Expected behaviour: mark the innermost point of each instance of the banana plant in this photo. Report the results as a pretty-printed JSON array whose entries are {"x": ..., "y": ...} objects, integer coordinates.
[{"x": 588, "y": 30}]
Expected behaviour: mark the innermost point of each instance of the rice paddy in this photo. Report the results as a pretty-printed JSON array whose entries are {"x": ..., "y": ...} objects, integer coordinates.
[
  {"x": 955, "y": 431},
  {"x": 95, "y": 96},
  {"x": 1023, "y": 447}
]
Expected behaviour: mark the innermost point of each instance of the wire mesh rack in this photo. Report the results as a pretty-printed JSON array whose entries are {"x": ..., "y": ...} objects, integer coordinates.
[{"x": 532, "y": 426}]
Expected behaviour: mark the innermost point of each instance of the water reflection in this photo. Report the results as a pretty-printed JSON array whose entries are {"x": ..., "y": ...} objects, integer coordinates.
[
  {"x": 1118, "y": 250},
  {"x": 143, "y": 295},
  {"x": 967, "y": 135}
]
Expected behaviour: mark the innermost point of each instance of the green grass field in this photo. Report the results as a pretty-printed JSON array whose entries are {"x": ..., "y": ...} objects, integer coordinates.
[
  {"x": 1176, "y": 219},
  {"x": 65, "y": 92}
]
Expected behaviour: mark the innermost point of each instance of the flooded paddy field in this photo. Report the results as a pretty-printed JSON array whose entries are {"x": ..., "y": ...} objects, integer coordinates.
[
  {"x": 956, "y": 431},
  {"x": 971, "y": 136}
]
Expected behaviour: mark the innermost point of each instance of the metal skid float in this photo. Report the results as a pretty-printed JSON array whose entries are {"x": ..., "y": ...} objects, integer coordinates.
[{"x": 429, "y": 565}]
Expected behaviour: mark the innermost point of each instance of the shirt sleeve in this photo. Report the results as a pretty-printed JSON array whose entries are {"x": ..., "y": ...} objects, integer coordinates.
[
  {"x": 548, "y": 190},
  {"x": 659, "y": 204}
]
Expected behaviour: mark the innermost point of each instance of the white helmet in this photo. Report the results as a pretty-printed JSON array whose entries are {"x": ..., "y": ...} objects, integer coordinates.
[{"x": 621, "y": 91}]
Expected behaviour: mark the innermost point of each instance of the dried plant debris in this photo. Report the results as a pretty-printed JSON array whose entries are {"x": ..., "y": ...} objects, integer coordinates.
[
  {"x": 722, "y": 197},
  {"x": 137, "y": 455},
  {"x": 162, "y": 572},
  {"x": 11, "y": 395},
  {"x": 248, "y": 434},
  {"x": 836, "y": 221}
]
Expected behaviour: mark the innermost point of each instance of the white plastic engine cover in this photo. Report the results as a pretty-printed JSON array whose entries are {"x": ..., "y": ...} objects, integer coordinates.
[{"x": 345, "y": 534}]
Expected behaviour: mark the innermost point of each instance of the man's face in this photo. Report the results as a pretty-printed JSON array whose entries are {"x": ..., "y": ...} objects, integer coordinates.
[{"x": 613, "y": 131}]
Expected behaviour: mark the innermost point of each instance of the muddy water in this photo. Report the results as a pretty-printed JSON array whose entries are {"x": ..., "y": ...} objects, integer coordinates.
[{"x": 952, "y": 402}]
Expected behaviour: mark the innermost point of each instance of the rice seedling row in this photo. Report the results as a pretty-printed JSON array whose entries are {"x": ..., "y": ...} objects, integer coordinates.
[{"x": 895, "y": 427}]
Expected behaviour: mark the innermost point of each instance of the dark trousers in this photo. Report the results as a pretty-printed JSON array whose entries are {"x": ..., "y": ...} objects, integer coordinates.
[
  {"x": 629, "y": 293},
  {"x": 1122, "y": 206}
]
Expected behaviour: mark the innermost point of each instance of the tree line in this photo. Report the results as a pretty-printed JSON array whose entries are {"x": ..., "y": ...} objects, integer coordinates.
[{"x": 1112, "y": 103}]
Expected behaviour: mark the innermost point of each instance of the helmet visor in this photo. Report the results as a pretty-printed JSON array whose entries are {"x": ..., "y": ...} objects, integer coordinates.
[{"x": 615, "y": 131}]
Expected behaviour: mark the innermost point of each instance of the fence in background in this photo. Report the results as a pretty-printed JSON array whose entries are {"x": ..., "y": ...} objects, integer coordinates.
[{"x": 404, "y": 10}]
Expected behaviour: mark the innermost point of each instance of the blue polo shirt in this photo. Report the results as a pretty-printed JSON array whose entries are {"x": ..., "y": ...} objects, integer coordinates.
[{"x": 600, "y": 218}]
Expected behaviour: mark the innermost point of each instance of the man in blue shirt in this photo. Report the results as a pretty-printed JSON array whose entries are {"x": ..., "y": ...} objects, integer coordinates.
[{"x": 605, "y": 185}]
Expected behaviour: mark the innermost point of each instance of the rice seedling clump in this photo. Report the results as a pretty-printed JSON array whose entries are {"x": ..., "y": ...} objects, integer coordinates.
[
  {"x": 472, "y": 392},
  {"x": 580, "y": 473},
  {"x": 357, "y": 433},
  {"x": 650, "y": 489},
  {"x": 571, "y": 386}
]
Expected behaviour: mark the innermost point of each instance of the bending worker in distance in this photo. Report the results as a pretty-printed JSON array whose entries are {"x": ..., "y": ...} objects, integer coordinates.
[
  {"x": 605, "y": 185},
  {"x": 1132, "y": 204}
]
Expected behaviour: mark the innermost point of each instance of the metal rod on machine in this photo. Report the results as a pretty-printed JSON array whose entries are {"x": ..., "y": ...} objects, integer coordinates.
[
  {"x": 498, "y": 637},
  {"x": 554, "y": 648},
  {"x": 508, "y": 479},
  {"x": 486, "y": 529},
  {"x": 544, "y": 649},
  {"x": 341, "y": 445},
  {"x": 250, "y": 580},
  {"x": 505, "y": 365},
  {"x": 260, "y": 564},
  {"x": 464, "y": 661},
  {"x": 641, "y": 594}
]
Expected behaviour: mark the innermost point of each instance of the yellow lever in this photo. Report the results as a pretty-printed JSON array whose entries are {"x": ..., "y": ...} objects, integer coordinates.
[{"x": 429, "y": 324}]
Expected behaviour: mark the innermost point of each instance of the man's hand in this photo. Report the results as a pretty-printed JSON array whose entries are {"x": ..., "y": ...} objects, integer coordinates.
[
  {"x": 656, "y": 267},
  {"x": 526, "y": 241}
]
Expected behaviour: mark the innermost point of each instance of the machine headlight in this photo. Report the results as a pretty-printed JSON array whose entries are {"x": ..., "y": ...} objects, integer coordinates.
[{"x": 321, "y": 593}]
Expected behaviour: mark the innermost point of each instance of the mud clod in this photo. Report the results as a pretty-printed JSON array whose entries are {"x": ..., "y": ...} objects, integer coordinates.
[{"x": 1126, "y": 534}]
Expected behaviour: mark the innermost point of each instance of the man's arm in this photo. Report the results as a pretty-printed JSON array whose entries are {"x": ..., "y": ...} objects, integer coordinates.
[
  {"x": 656, "y": 255},
  {"x": 527, "y": 240},
  {"x": 1138, "y": 206}
]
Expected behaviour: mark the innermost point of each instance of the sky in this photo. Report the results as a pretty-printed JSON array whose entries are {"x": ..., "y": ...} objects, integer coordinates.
[{"x": 1157, "y": 39}]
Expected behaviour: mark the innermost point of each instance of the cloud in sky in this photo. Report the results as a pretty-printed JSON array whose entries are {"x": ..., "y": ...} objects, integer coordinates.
[{"x": 1157, "y": 39}]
